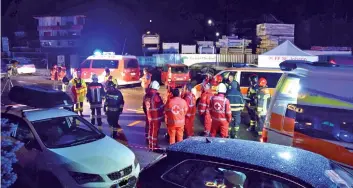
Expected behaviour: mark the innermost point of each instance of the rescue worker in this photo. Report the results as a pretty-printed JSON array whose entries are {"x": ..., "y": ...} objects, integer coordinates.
[
  {"x": 146, "y": 79},
  {"x": 251, "y": 104},
  {"x": 107, "y": 74},
  {"x": 95, "y": 95},
  {"x": 207, "y": 79},
  {"x": 146, "y": 96},
  {"x": 54, "y": 73},
  {"x": 113, "y": 106},
  {"x": 220, "y": 112},
  {"x": 203, "y": 108},
  {"x": 79, "y": 91},
  {"x": 154, "y": 110},
  {"x": 175, "y": 112},
  {"x": 263, "y": 101},
  {"x": 168, "y": 97},
  {"x": 109, "y": 78},
  {"x": 190, "y": 115},
  {"x": 236, "y": 105}
]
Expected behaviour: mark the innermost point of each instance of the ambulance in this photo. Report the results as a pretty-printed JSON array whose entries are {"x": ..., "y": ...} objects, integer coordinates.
[
  {"x": 124, "y": 68},
  {"x": 312, "y": 109},
  {"x": 272, "y": 75}
]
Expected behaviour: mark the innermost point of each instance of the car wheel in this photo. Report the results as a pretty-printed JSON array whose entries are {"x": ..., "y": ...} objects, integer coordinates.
[{"x": 47, "y": 179}]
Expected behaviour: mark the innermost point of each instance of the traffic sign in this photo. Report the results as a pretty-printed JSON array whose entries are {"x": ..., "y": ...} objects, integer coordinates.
[{"x": 61, "y": 60}]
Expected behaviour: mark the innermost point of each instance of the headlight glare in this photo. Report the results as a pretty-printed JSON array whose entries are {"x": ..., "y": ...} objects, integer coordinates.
[{"x": 82, "y": 178}]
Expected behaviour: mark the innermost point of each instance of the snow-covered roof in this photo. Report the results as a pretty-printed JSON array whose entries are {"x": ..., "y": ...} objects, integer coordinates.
[{"x": 287, "y": 49}]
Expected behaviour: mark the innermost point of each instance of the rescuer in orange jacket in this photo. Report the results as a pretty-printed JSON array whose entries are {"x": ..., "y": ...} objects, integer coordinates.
[
  {"x": 175, "y": 112},
  {"x": 79, "y": 90},
  {"x": 203, "y": 108},
  {"x": 220, "y": 112},
  {"x": 54, "y": 73},
  {"x": 154, "y": 110},
  {"x": 190, "y": 115},
  {"x": 146, "y": 79}
]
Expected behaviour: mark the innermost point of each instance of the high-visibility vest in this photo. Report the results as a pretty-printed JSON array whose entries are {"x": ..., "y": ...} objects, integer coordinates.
[{"x": 175, "y": 111}]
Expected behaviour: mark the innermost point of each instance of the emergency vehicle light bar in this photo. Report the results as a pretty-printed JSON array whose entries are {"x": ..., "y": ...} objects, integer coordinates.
[{"x": 293, "y": 64}]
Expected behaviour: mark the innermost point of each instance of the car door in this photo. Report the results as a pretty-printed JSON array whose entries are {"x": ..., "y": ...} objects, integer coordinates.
[
  {"x": 28, "y": 154},
  {"x": 198, "y": 173}
]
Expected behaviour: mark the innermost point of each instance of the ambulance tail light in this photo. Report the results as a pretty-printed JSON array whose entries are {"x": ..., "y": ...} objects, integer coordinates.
[{"x": 264, "y": 137}]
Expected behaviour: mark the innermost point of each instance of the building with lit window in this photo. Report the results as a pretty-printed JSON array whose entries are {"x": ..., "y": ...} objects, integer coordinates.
[{"x": 60, "y": 31}]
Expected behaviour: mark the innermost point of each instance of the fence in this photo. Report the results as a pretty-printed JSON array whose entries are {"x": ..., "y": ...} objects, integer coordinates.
[{"x": 189, "y": 59}]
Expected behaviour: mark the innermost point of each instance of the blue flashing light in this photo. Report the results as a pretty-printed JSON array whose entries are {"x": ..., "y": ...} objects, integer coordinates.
[{"x": 97, "y": 52}]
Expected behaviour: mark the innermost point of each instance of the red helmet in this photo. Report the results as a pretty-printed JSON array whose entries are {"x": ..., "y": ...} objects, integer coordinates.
[{"x": 262, "y": 82}]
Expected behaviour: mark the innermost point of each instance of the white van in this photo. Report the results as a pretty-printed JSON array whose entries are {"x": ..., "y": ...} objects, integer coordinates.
[{"x": 312, "y": 109}]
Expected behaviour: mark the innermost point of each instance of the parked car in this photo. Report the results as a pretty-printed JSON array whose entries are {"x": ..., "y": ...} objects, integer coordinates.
[
  {"x": 175, "y": 75},
  {"x": 218, "y": 162},
  {"x": 25, "y": 66},
  {"x": 62, "y": 149}
]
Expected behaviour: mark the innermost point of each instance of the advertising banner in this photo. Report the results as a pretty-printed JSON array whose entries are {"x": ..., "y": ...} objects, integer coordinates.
[
  {"x": 188, "y": 49},
  {"x": 170, "y": 48}
]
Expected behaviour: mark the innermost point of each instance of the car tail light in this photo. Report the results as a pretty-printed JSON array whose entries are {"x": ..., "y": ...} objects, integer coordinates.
[{"x": 264, "y": 137}]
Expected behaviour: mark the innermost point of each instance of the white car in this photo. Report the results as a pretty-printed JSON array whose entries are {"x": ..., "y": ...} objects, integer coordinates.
[
  {"x": 25, "y": 66},
  {"x": 62, "y": 149}
]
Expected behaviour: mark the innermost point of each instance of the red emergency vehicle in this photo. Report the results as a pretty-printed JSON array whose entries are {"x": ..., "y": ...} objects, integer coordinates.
[{"x": 175, "y": 74}]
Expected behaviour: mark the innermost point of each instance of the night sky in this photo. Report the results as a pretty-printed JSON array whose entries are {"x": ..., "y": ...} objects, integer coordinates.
[{"x": 109, "y": 22}]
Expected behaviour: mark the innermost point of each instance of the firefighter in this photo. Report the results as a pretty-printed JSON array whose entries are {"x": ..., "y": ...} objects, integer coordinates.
[
  {"x": 220, "y": 112},
  {"x": 95, "y": 97},
  {"x": 175, "y": 112},
  {"x": 109, "y": 78},
  {"x": 251, "y": 104},
  {"x": 146, "y": 79},
  {"x": 236, "y": 105},
  {"x": 154, "y": 110},
  {"x": 190, "y": 115},
  {"x": 61, "y": 73},
  {"x": 203, "y": 108},
  {"x": 263, "y": 100},
  {"x": 79, "y": 91},
  {"x": 113, "y": 107}
]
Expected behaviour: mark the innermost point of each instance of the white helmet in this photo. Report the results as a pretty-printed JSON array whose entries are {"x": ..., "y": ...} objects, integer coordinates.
[
  {"x": 154, "y": 85},
  {"x": 222, "y": 88},
  {"x": 94, "y": 77}
]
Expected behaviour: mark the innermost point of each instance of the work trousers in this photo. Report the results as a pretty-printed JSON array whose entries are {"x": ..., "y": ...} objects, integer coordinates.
[
  {"x": 234, "y": 124},
  {"x": 175, "y": 133},
  {"x": 206, "y": 120},
  {"x": 219, "y": 127},
  {"x": 146, "y": 128},
  {"x": 253, "y": 117},
  {"x": 113, "y": 118},
  {"x": 260, "y": 124},
  {"x": 153, "y": 130},
  {"x": 96, "y": 113},
  {"x": 189, "y": 125},
  {"x": 79, "y": 107}
]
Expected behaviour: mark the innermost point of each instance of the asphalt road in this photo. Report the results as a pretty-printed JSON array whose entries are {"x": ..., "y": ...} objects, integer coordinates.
[{"x": 132, "y": 119}]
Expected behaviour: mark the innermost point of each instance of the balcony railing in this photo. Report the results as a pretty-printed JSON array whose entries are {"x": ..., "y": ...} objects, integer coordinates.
[
  {"x": 58, "y": 37},
  {"x": 61, "y": 27}
]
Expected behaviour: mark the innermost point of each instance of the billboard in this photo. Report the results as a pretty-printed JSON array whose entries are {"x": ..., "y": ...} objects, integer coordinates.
[
  {"x": 150, "y": 39},
  {"x": 188, "y": 49},
  {"x": 205, "y": 43},
  {"x": 170, "y": 48}
]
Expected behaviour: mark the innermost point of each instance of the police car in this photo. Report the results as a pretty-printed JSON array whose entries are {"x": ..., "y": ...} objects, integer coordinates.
[
  {"x": 216, "y": 162},
  {"x": 62, "y": 149}
]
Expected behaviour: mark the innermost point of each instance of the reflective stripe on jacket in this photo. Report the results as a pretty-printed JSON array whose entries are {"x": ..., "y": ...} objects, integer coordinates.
[
  {"x": 175, "y": 111},
  {"x": 263, "y": 100},
  {"x": 235, "y": 97},
  {"x": 114, "y": 101},
  {"x": 204, "y": 102},
  {"x": 191, "y": 102},
  {"x": 95, "y": 93},
  {"x": 220, "y": 108},
  {"x": 154, "y": 106}
]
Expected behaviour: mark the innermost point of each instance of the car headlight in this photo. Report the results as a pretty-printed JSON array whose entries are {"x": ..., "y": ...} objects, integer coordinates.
[
  {"x": 82, "y": 178},
  {"x": 136, "y": 162}
]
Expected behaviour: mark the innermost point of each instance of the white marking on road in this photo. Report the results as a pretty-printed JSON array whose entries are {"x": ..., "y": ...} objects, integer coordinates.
[{"x": 134, "y": 123}]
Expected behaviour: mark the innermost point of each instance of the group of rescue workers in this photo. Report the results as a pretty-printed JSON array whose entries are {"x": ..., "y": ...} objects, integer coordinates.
[{"x": 220, "y": 112}]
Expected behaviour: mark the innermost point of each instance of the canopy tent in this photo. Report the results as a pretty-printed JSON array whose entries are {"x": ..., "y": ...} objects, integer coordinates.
[{"x": 285, "y": 51}]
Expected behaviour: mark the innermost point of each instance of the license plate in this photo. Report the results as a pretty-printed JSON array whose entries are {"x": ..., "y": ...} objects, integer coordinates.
[
  {"x": 133, "y": 74},
  {"x": 180, "y": 79}
]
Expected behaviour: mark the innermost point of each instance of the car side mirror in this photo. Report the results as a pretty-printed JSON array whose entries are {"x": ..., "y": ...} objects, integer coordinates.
[{"x": 32, "y": 144}]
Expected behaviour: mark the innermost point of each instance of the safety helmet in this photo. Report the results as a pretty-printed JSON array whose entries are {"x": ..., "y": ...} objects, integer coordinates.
[
  {"x": 262, "y": 82},
  {"x": 222, "y": 88},
  {"x": 253, "y": 78},
  {"x": 155, "y": 85},
  {"x": 111, "y": 85},
  {"x": 94, "y": 77}
]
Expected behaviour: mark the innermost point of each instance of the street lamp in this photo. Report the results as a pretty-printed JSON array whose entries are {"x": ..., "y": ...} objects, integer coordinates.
[
  {"x": 209, "y": 22},
  {"x": 148, "y": 32},
  {"x": 217, "y": 34},
  {"x": 150, "y": 21}
]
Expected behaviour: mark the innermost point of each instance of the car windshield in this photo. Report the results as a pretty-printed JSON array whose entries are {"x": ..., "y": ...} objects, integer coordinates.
[
  {"x": 66, "y": 131},
  {"x": 101, "y": 64},
  {"x": 131, "y": 63},
  {"x": 179, "y": 69},
  {"x": 341, "y": 175}
]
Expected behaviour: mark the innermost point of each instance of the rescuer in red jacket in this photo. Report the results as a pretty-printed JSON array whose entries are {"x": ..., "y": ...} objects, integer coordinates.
[
  {"x": 190, "y": 115},
  {"x": 155, "y": 113},
  {"x": 220, "y": 112},
  {"x": 203, "y": 108},
  {"x": 175, "y": 112}
]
